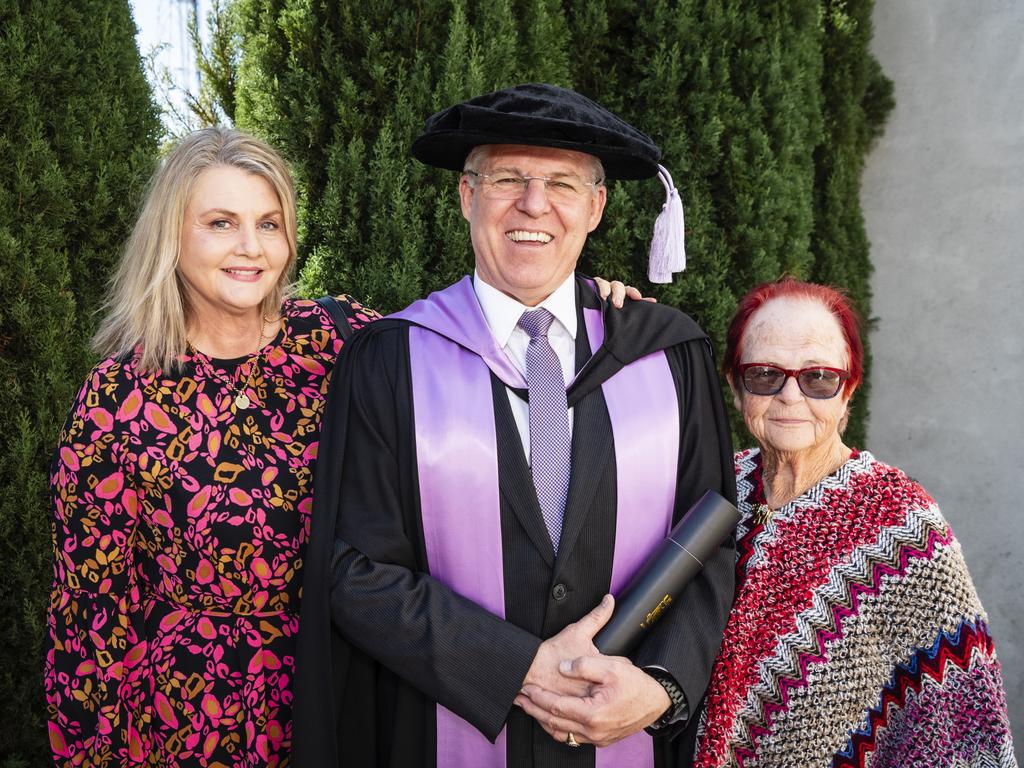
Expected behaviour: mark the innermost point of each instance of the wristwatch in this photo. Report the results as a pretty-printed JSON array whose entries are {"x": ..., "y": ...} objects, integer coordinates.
[{"x": 678, "y": 709}]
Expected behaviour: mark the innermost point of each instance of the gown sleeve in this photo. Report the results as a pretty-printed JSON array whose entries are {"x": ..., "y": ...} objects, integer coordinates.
[
  {"x": 96, "y": 638},
  {"x": 687, "y": 638}
]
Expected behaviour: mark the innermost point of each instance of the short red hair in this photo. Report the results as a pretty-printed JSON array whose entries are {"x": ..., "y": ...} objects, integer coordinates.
[{"x": 834, "y": 300}]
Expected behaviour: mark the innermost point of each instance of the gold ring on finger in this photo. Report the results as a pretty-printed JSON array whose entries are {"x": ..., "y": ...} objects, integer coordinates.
[{"x": 571, "y": 740}]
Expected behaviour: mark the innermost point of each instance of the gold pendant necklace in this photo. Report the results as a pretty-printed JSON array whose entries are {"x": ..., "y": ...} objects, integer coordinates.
[
  {"x": 240, "y": 400},
  {"x": 762, "y": 514}
]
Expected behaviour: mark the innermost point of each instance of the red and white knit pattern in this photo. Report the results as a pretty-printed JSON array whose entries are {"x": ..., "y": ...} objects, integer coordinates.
[{"x": 857, "y": 637}]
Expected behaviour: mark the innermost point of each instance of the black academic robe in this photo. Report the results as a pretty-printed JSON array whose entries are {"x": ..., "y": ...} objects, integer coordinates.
[{"x": 381, "y": 641}]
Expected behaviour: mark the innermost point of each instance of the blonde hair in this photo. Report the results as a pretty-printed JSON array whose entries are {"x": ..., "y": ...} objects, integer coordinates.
[{"x": 147, "y": 306}]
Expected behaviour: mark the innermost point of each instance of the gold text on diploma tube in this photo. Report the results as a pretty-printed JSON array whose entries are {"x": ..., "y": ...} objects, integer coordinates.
[{"x": 659, "y": 609}]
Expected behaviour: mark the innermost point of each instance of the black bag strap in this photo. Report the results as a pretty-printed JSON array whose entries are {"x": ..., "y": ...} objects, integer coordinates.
[{"x": 339, "y": 312}]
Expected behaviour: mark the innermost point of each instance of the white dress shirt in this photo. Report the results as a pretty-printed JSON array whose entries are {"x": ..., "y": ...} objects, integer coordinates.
[{"x": 502, "y": 313}]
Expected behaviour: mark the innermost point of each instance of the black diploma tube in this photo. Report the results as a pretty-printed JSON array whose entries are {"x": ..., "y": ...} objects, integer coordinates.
[{"x": 666, "y": 573}]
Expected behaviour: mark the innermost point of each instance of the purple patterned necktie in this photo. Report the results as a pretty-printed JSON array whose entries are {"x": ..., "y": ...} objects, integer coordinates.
[{"x": 550, "y": 444}]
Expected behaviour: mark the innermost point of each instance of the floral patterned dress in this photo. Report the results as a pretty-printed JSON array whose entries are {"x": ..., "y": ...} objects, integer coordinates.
[{"x": 179, "y": 527}]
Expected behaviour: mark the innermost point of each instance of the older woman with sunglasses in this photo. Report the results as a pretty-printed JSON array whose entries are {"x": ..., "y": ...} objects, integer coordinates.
[{"x": 857, "y": 637}]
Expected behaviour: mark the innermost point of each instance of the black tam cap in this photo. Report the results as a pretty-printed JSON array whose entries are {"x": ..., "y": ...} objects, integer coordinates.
[{"x": 537, "y": 114}]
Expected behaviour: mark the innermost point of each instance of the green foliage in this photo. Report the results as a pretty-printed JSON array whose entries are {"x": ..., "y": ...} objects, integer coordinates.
[
  {"x": 764, "y": 112},
  {"x": 216, "y": 63},
  {"x": 858, "y": 98},
  {"x": 78, "y": 131}
]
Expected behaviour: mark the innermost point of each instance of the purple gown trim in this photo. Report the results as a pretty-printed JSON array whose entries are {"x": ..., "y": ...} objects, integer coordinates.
[
  {"x": 643, "y": 396},
  {"x": 458, "y": 474},
  {"x": 457, "y": 462},
  {"x": 455, "y": 313},
  {"x": 644, "y": 410}
]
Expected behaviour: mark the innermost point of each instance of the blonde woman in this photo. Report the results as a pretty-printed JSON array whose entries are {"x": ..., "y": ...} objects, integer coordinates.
[{"x": 182, "y": 483}]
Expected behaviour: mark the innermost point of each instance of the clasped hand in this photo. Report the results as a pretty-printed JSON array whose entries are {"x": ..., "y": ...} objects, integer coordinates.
[{"x": 572, "y": 688}]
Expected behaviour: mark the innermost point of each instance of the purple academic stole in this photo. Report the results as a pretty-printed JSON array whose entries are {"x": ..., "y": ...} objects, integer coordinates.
[{"x": 452, "y": 354}]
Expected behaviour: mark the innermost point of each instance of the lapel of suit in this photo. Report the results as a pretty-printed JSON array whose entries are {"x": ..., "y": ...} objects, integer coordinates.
[
  {"x": 515, "y": 481},
  {"x": 591, "y": 450}
]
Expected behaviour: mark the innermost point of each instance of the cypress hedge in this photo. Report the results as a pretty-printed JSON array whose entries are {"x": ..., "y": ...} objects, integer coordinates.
[
  {"x": 78, "y": 132},
  {"x": 764, "y": 112},
  {"x": 858, "y": 97}
]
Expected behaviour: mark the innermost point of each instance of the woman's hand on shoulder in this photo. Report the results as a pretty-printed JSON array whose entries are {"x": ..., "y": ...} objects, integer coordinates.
[{"x": 617, "y": 292}]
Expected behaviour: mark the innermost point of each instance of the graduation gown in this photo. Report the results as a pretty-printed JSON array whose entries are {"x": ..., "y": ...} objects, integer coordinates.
[{"x": 382, "y": 642}]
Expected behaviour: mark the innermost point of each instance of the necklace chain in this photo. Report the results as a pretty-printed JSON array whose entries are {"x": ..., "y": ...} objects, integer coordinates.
[
  {"x": 238, "y": 388},
  {"x": 763, "y": 512}
]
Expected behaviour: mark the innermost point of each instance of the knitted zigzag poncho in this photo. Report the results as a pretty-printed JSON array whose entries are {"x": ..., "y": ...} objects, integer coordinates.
[{"x": 856, "y": 638}]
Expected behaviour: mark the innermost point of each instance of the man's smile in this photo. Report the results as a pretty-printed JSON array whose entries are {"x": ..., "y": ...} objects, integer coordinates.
[{"x": 529, "y": 236}]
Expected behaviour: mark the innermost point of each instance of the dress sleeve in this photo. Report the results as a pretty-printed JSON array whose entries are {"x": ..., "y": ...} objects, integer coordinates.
[
  {"x": 96, "y": 639},
  {"x": 355, "y": 314}
]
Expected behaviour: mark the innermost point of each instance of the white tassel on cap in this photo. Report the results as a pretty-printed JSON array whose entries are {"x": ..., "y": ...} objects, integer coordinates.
[{"x": 668, "y": 252}]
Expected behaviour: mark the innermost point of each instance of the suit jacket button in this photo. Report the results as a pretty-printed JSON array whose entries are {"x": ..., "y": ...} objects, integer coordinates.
[{"x": 559, "y": 592}]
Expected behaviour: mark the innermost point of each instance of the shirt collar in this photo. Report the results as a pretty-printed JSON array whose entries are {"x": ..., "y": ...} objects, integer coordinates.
[{"x": 502, "y": 312}]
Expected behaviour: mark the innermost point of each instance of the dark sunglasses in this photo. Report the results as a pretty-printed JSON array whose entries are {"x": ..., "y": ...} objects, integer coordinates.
[{"x": 818, "y": 382}]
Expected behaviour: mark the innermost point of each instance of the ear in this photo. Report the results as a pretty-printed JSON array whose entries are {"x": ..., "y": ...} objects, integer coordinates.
[
  {"x": 466, "y": 196},
  {"x": 597, "y": 203},
  {"x": 737, "y": 398},
  {"x": 845, "y": 418}
]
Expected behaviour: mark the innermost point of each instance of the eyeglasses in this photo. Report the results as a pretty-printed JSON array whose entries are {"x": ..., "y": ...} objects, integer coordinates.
[
  {"x": 818, "y": 382},
  {"x": 506, "y": 185}
]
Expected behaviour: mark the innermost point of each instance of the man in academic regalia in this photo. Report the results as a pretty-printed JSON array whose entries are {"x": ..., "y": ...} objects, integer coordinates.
[{"x": 497, "y": 458}]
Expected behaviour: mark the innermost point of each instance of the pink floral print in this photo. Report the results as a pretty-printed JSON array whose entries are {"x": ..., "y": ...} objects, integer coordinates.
[{"x": 179, "y": 528}]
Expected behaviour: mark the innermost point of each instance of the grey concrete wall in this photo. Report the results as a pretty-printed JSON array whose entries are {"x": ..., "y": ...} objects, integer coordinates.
[{"x": 943, "y": 197}]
